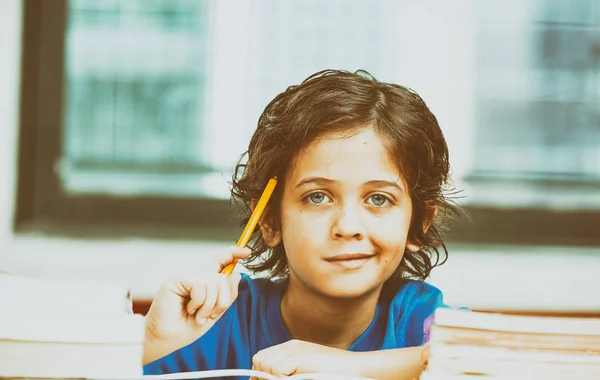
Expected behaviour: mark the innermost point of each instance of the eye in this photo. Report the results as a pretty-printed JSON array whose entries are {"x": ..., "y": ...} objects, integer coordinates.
[
  {"x": 378, "y": 200},
  {"x": 317, "y": 198}
]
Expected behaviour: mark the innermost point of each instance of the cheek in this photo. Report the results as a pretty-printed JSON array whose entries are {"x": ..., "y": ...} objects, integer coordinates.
[
  {"x": 391, "y": 229},
  {"x": 298, "y": 223},
  {"x": 297, "y": 232},
  {"x": 390, "y": 237},
  {"x": 391, "y": 258}
]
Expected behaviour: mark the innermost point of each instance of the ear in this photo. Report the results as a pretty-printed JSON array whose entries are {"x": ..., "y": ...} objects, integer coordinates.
[
  {"x": 271, "y": 235},
  {"x": 411, "y": 246}
]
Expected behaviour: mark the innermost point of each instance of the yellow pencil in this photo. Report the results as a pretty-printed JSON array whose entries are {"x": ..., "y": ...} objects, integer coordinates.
[{"x": 254, "y": 218}]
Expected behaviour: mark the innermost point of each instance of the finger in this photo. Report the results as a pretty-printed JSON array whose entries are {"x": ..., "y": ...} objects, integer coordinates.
[
  {"x": 277, "y": 362},
  {"x": 257, "y": 363},
  {"x": 234, "y": 285},
  {"x": 209, "y": 303},
  {"x": 266, "y": 360},
  {"x": 255, "y": 368},
  {"x": 281, "y": 369},
  {"x": 197, "y": 294},
  {"x": 226, "y": 257},
  {"x": 285, "y": 367},
  {"x": 261, "y": 368},
  {"x": 223, "y": 296}
]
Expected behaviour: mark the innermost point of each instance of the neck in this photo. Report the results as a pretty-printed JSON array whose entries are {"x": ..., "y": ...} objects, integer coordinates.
[{"x": 314, "y": 317}]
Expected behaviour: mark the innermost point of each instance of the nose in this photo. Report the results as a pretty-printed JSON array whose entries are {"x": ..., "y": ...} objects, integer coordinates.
[{"x": 348, "y": 224}]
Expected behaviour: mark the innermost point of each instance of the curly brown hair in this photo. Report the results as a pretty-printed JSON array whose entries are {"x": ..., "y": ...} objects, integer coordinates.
[{"x": 333, "y": 101}]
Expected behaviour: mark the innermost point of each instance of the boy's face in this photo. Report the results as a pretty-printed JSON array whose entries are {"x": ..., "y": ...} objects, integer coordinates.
[{"x": 345, "y": 215}]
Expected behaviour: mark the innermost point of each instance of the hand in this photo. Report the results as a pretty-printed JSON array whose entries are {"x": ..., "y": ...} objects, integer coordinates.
[
  {"x": 296, "y": 356},
  {"x": 188, "y": 305}
]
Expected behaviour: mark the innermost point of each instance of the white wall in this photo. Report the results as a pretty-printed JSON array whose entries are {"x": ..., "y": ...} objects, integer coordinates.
[{"x": 492, "y": 277}]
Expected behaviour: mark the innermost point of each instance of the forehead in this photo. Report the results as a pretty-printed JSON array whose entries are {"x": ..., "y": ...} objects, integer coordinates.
[{"x": 359, "y": 154}]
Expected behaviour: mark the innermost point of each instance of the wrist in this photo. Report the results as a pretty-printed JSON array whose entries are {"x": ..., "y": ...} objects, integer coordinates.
[
  {"x": 153, "y": 347},
  {"x": 357, "y": 364},
  {"x": 367, "y": 364}
]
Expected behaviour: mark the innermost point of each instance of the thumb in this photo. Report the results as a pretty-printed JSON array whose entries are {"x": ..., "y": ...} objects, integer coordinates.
[{"x": 226, "y": 257}]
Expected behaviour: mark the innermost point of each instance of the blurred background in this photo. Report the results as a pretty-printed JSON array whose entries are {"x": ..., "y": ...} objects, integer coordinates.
[{"x": 122, "y": 122}]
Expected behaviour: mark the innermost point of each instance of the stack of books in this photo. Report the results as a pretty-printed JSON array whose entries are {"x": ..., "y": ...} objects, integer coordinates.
[
  {"x": 55, "y": 328},
  {"x": 475, "y": 345}
]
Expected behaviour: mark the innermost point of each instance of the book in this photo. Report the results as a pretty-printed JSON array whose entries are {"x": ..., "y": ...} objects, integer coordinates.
[
  {"x": 57, "y": 328},
  {"x": 516, "y": 323},
  {"x": 476, "y": 345},
  {"x": 64, "y": 296}
]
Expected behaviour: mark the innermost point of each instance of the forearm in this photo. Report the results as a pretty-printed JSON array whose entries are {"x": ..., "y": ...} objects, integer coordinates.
[
  {"x": 154, "y": 349},
  {"x": 396, "y": 364}
]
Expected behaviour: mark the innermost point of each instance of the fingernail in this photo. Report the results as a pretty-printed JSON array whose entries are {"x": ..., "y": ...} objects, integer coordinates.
[
  {"x": 214, "y": 315},
  {"x": 202, "y": 321}
]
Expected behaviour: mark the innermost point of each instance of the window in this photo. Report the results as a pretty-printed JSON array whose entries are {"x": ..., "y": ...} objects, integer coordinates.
[
  {"x": 115, "y": 115},
  {"x": 538, "y": 85},
  {"x": 134, "y": 113},
  {"x": 537, "y": 146}
]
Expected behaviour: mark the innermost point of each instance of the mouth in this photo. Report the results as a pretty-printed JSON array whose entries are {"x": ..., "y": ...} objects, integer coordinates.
[{"x": 350, "y": 260}]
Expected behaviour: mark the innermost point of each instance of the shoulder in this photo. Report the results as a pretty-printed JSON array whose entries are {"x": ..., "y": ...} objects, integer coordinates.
[
  {"x": 419, "y": 300},
  {"x": 420, "y": 291},
  {"x": 409, "y": 308},
  {"x": 252, "y": 288},
  {"x": 253, "y": 296},
  {"x": 412, "y": 292},
  {"x": 248, "y": 283}
]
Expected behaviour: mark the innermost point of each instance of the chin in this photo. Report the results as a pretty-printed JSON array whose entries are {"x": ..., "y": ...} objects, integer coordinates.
[{"x": 351, "y": 287}]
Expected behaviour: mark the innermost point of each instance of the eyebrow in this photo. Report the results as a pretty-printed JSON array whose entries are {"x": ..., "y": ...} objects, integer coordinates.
[
  {"x": 315, "y": 180},
  {"x": 383, "y": 183},
  {"x": 327, "y": 181}
]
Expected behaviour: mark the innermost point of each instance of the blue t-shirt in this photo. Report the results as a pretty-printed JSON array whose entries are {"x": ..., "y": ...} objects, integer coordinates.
[{"x": 253, "y": 322}]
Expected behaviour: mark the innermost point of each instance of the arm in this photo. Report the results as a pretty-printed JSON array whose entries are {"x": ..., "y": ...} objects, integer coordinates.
[
  {"x": 397, "y": 364},
  {"x": 189, "y": 304},
  {"x": 155, "y": 348},
  {"x": 296, "y": 357}
]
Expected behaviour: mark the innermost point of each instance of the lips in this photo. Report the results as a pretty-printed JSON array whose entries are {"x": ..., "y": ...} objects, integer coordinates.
[
  {"x": 349, "y": 261},
  {"x": 349, "y": 256}
]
